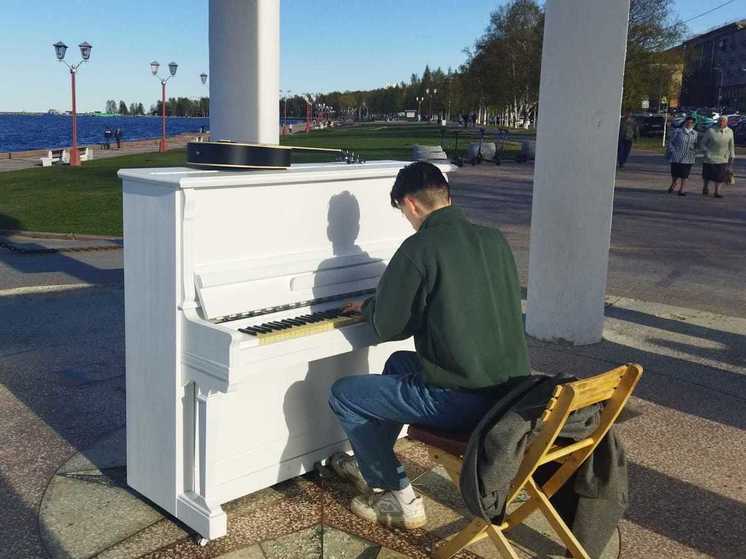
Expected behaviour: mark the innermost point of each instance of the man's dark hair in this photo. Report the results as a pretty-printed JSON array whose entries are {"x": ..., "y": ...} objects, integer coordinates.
[{"x": 422, "y": 180}]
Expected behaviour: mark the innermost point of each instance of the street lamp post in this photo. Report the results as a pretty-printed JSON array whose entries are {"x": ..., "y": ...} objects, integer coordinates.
[
  {"x": 419, "y": 107},
  {"x": 203, "y": 79},
  {"x": 172, "y": 71},
  {"x": 720, "y": 87},
  {"x": 85, "y": 52},
  {"x": 430, "y": 97},
  {"x": 309, "y": 112}
]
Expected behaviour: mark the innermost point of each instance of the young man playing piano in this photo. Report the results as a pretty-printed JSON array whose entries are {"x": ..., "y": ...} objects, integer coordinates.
[{"x": 454, "y": 287}]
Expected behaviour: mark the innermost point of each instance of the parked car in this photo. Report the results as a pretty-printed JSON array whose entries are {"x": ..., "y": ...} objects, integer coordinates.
[
  {"x": 739, "y": 133},
  {"x": 734, "y": 120},
  {"x": 650, "y": 124}
]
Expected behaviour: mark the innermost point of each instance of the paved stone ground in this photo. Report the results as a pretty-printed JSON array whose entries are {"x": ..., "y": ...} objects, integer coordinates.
[{"x": 675, "y": 305}]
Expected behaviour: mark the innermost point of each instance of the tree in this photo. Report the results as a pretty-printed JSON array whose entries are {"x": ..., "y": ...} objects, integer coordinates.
[
  {"x": 648, "y": 69},
  {"x": 133, "y": 108},
  {"x": 111, "y": 106},
  {"x": 502, "y": 72},
  {"x": 123, "y": 108}
]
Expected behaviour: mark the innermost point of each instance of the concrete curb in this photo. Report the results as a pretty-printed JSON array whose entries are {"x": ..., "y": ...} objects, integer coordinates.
[
  {"x": 63, "y": 236},
  {"x": 40, "y": 289}
]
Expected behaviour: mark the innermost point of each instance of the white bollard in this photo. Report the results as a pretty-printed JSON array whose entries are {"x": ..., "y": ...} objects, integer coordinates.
[{"x": 580, "y": 96}]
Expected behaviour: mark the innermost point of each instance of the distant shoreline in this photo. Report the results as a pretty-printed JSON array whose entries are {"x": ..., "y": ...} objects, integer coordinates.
[{"x": 127, "y": 147}]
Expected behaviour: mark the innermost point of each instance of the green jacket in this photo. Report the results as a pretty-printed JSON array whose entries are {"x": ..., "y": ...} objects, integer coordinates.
[{"x": 454, "y": 286}]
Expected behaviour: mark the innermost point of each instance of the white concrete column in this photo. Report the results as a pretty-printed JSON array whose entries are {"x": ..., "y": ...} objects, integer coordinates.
[
  {"x": 245, "y": 70},
  {"x": 580, "y": 95}
]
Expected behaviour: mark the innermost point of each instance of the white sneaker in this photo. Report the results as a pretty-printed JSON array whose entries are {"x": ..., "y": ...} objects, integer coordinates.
[
  {"x": 385, "y": 509},
  {"x": 345, "y": 466}
]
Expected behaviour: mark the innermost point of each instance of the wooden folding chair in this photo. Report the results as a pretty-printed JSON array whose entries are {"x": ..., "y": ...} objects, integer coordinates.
[{"x": 613, "y": 387}]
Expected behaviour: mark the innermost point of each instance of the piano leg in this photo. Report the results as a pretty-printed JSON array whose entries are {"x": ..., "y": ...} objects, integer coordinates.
[{"x": 199, "y": 508}]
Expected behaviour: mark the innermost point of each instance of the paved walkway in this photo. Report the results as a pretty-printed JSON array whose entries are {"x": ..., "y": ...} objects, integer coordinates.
[
  {"x": 62, "y": 407},
  {"x": 675, "y": 305}
]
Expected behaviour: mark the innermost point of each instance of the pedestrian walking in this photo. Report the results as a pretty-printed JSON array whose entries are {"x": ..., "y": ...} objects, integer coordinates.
[
  {"x": 629, "y": 132},
  {"x": 719, "y": 150},
  {"x": 681, "y": 154},
  {"x": 107, "y": 138},
  {"x": 118, "y": 137}
]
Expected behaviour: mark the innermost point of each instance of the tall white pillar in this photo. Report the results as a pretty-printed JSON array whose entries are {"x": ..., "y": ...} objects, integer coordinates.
[
  {"x": 245, "y": 70},
  {"x": 582, "y": 70}
]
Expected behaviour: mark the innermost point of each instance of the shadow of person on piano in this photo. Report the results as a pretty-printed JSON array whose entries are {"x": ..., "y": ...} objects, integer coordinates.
[{"x": 311, "y": 425}]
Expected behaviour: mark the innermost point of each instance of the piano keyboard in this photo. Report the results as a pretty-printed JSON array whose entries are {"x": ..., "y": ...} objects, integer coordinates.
[{"x": 304, "y": 325}]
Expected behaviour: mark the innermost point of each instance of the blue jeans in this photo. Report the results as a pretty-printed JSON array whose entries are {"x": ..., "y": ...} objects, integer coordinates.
[{"x": 372, "y": 410}]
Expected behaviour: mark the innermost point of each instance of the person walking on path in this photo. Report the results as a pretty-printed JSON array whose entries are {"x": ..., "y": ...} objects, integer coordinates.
[
  {"x": 118, "y": 137},
  {"x": 719, "y": 149},
  {"x": 681, "y": 154},
  {"x": 454, "y": 287},
  {"x": 628, "y": 133},
  {"x": 107, "y": 138}
]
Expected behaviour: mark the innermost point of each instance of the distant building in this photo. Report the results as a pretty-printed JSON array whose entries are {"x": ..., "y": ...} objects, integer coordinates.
[{"x": 715, "y": 68}]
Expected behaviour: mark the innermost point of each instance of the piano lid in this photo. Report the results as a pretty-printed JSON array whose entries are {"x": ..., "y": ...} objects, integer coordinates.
[{"x": 183, "y": 177}]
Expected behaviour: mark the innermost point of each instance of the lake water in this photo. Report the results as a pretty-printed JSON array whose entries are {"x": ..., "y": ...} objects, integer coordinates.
[{"x": 27, "y": 132}]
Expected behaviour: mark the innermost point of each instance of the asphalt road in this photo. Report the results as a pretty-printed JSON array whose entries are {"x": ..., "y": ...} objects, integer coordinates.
[{"x": 686, "y": 251}]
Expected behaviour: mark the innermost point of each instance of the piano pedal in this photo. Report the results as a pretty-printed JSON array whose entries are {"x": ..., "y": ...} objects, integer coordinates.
[
  {"x": 322, "y": 471},
  {"x": 200, "y": 541}
]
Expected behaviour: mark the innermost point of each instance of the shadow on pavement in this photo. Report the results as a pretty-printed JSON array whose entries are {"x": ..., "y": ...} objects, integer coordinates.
[
  {"x": 690, "y": 515},
  {"x": 29, "y": 256}
]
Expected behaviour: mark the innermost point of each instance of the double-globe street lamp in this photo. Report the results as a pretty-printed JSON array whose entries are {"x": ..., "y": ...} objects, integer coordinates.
[
  {"x": 419, "y": 107},
  {"x": 434, "y": 93},
  {"x": 172, "y": 70},
  {"x": 85, "y": 52}
]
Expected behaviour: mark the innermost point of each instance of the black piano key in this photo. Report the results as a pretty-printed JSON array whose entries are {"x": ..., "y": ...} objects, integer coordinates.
[{"x": 249, "y": 330}]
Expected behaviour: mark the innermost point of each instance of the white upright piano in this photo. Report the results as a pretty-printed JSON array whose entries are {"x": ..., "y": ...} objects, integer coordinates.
[{"x": 232, "y": 341}]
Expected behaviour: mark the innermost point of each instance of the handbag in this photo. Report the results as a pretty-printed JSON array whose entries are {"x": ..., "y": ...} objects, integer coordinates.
[{"x": 731, "y": 177}]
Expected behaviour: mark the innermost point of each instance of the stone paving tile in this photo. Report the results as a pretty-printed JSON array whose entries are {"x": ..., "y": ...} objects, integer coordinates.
[
  {"x": 253, "y": 552},
  {"x": 386, "y": 553},
  {"x": 108, "y": 452},
  {"x": 295, "y": 508},
  {"x": 304, "y": 544},
  {"x": 163, "y": 533},
  {"x": 81, "y": 517},
  {"x": 341, "y": 545}
]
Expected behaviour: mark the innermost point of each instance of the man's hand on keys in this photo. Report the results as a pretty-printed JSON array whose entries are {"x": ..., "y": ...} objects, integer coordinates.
[{"x": 353, "y": 308}]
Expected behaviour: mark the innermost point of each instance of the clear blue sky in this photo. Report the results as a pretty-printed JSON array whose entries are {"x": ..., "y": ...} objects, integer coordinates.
[{"x": 326, "y": 44}]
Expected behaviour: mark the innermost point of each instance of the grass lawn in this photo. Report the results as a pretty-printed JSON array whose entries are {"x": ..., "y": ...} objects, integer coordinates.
[{"x": 88, "y": 199}]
